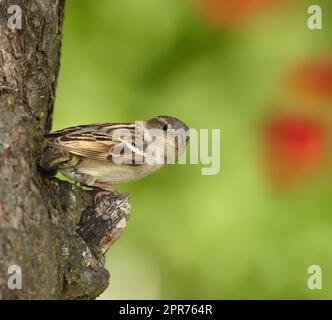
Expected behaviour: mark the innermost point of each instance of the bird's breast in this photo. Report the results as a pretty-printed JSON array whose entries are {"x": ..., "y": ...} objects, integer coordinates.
[{"x": 110, "y": 173}]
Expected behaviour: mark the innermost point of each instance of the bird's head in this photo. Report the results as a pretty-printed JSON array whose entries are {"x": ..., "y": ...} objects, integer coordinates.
[{"x": 175, "y": 131}]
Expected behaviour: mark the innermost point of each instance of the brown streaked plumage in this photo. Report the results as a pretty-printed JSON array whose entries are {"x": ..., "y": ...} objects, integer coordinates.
[{"x": 105, "y": 154}]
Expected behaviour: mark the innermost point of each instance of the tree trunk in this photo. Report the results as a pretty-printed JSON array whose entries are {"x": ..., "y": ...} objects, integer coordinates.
[{"x": 54, "y": 233}]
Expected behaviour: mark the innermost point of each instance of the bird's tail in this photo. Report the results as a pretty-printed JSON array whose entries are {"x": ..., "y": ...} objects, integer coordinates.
[{"x": 51, "y": 159}]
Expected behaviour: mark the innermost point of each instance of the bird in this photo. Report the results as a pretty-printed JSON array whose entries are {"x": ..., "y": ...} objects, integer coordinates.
[{"x": 103, "y": 155}]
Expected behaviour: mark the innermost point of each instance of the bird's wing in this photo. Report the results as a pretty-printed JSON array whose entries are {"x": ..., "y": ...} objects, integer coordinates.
[{"x": 104, "y": 141}]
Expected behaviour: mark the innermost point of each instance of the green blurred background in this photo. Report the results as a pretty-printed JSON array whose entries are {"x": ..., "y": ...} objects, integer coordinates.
[{"x": 190, "y": 236}]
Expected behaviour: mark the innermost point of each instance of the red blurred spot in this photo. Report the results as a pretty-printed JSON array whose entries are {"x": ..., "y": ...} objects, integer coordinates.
[
  {"x": 232, "y": 12},
  {"x": 312, "y": 81},
  {"x": 295, "y": 147}
]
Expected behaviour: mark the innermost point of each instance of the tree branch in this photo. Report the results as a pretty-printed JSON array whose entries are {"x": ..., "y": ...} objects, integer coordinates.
[{"x": 54, "y": 231}]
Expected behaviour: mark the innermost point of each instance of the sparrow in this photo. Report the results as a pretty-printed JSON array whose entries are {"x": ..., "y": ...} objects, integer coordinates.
[{"x": 102, "y": 155}]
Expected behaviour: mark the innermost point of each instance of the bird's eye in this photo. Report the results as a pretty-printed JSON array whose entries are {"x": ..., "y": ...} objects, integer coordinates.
[{"x": 165, "y": 127}]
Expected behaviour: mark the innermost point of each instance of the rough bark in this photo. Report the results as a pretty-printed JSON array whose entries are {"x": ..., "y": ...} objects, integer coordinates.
[{"x": 54, "y": 231}]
